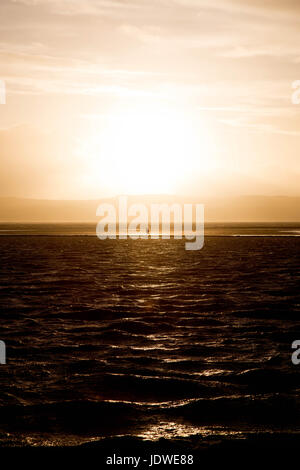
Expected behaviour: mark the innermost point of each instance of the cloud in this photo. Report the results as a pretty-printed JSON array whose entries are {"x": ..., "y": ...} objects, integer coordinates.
[
  {"x": 259, "y": 127},
  {"x": 231, "y": 61},
  {"x": 79, "y": 7},
  {"x": 35, "y": 161}
]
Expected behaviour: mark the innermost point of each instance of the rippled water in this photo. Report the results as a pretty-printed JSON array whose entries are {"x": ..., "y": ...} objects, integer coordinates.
[{"x": 142, "y": 338}]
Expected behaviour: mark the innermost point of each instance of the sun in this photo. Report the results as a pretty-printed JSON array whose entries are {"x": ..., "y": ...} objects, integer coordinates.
[{"x": 148, "y": 150}]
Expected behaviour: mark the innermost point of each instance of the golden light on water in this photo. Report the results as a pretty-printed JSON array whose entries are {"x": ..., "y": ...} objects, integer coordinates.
[{"x": 171, "y": 430}]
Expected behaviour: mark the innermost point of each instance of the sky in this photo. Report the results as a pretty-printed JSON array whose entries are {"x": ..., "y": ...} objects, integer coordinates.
[{"x": 107, "y": 97}]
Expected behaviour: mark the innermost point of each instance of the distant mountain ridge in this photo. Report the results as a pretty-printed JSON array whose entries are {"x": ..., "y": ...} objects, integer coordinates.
[{"x": 226, "y": 209}]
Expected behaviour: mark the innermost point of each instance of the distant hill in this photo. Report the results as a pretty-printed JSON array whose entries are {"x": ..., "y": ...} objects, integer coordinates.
[{"x": 227, "y": 209}]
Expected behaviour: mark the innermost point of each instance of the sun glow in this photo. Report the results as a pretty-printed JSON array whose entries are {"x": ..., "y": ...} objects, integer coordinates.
[{"x": 148, "y": 150}]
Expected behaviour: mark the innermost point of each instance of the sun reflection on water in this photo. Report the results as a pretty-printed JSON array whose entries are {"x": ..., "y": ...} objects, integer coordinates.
[{"x": 171, "y": 430}]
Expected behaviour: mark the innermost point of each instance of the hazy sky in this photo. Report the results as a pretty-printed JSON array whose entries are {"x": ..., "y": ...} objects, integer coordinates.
[{"x": 189, "y": 96}]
